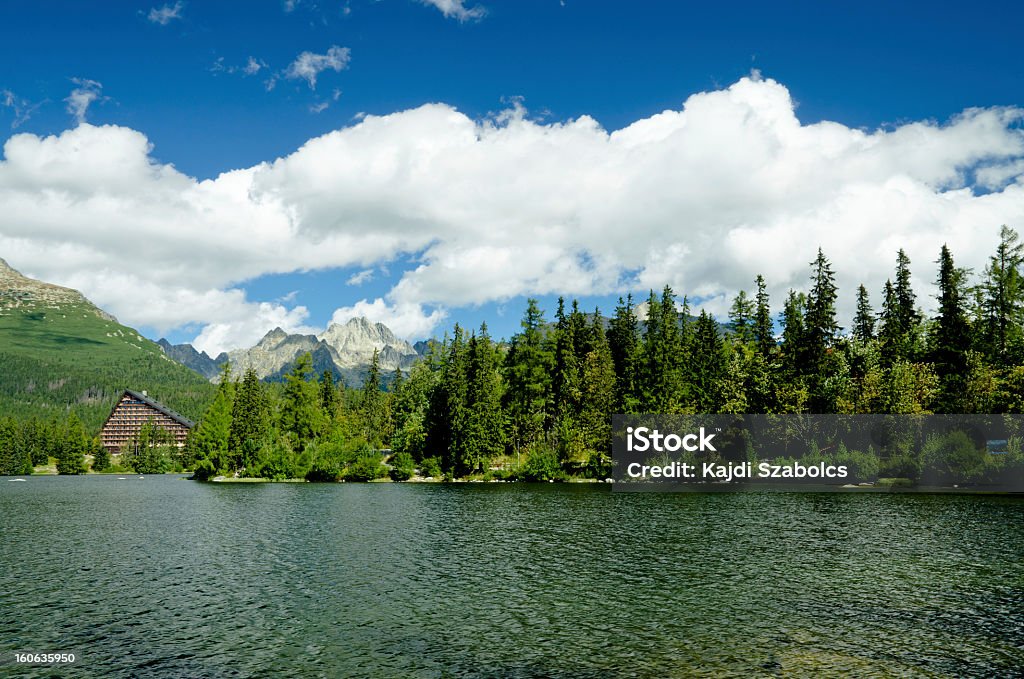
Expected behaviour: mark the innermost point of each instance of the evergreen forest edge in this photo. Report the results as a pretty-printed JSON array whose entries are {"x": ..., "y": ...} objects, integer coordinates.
[{"x": 538, "y": 407}]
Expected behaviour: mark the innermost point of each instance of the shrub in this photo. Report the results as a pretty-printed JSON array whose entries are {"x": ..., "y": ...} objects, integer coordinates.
[
  {"x": 402, "y": 467},
  {"x": 430, "y": 467},
  {"x": 366, "y": 468},
  {"x": 542, "y": 465}
]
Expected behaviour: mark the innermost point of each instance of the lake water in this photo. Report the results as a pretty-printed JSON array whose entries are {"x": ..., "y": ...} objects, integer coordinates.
[{"x": 166, "y": 577}]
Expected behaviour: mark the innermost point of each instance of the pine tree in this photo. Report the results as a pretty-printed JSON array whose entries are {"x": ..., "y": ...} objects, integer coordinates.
[
  {"x": 663, "y": 352},
  {"x": 71, "y": 459},
  {"x": 1002, "y": 304},
  {"x": 598, "y": 397},
  {"x": 565, "y": 384},
  {"x": 301, "y": 411},
  {"x": 249, "y": 422},
  {"x": 483, "y": 432},
  {"x": 820, "y": 327},
  {"x": 764, "y": 330},
  {"x": 373, "y": 405},
  {"x": 864, "y": 318},
  {"x": 410, "y": 406},
  {"x": 820, "y": 335},
  {"x": 901, "y": 322},
  {"x": 890, "y": 335},
  {"x": 528, "y": 367},
  {"x": 100, "y": 458},
  {"x": 329, "y": 400},
  {"x": 950, "y": 337},
  {"x": 708, "y": 365},
  {"x": 209, "y": 440},
  {"x": 741, "y": 317},
  {"x": 793, "y": 333},
  {"x": 624, "y": 346}
]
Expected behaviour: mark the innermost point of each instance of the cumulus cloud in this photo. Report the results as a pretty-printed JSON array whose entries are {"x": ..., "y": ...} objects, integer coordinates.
[
  {"x": 457, "y": 9},
  {"x": 703, "y": 198},
  {"x": 165, "y": 14},
  {"x": 404, "y": 318},
  {"x": 82, "y": 97},
  {"x": 308, "y": 65}
]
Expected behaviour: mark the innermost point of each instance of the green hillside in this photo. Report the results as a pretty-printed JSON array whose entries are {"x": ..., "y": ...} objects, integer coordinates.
[{"x": 62, "y": 354}]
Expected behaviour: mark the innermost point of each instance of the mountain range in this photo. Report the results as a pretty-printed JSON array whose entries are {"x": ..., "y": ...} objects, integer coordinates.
[{"x": 344, "y": 349}]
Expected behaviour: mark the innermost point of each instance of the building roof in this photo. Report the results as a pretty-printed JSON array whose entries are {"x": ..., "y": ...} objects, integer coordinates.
[{"x": 160, "y": 407}]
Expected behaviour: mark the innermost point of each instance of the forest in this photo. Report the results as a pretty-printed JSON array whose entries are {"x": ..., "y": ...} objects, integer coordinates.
[{"x": 538, "y": 406}]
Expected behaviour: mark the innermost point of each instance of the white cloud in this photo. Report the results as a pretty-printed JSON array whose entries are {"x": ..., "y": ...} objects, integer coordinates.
[
  {"x": 320, "y": 107},
  {"x": 82, "y": 97},
  {"x": 457, "y": 9},
  {"x": 360, "y": 277},
  {"x": 703, "y": 198},
  {"x": 20, "y": 107},
  {"x": 253, "y": 66},
  {"x": 308, "y": 65},
  {"x": 165, "y": 14},
  {"x": 405, "y": 319}
]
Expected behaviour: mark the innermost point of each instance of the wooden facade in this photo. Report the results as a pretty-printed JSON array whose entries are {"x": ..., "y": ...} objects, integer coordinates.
[{"x": 132, "y": 412}]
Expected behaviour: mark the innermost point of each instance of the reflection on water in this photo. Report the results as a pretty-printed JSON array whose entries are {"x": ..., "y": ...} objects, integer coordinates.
[{"x": 166, "y": 577}]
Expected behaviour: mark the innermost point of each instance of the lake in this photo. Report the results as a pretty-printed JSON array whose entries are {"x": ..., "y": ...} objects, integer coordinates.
[{"x": 166, "y": 577}]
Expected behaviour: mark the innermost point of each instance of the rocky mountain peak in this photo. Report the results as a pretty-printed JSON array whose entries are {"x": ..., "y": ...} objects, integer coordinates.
[
  {"x": 20, "y": 291},
  {"x": 275, "y": 336},
  {"x": 360, "y": 336}
]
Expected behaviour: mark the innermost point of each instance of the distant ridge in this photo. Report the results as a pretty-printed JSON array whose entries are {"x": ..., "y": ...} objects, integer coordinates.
[
  {"x": 344, "y": 349},
  {"x": 59, "y": 352}
]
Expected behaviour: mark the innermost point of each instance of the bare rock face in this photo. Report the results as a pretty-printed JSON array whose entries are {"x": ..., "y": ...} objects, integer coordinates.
[
  {"x": 272, "y": 354},
  {"x": 21, "y": 292},
  {"x": 355, "y": 341},
  {"x": 348, "y": 347}
]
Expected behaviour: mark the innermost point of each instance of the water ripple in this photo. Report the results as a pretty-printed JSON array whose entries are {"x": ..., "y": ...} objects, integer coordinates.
[{"x": 163, "y": 577}]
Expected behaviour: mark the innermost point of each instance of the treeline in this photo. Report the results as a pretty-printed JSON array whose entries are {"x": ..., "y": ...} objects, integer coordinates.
[
  {"x": 539, "y": 406},
  {"x": 25, "y": 444},
  {"x": 48, "y": 386}
]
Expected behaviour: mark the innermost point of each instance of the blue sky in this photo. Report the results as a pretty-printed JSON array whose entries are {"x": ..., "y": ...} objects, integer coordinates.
[{"x": 211, "y": 87}]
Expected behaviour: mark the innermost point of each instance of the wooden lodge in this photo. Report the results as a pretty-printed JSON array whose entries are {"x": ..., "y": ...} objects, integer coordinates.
[{"x": 132, "y": 412}]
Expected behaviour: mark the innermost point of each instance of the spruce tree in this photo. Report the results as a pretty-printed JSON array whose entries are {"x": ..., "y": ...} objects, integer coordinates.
[
  {"x": 890, "y": 334},
  {"x": 483, "y": 432},
  {"x": 301, "y": 411},
  {"x": 565, "y": 380},
  {"x": 820, "y": 327},
  {"x": 250, "y": 423},
  {"x": 329, "y": 400},
  {"x": 764, "y": 329},
  {"x": 741, "y": 317},
  {"x": 598, "y": 398},
  {"x": 373, "y": 405},
  {"x": 624, "y": 347},
  {"x": 708, "y": 365},
  {"x": 950, "y": 337},
  {"x": 901, "y": 322},
  {"x": 209, "y": 440},
  {"x": 71, "y": 459},
  {"x": 864, "y": 317},
  {"x": 663, "y": 352},
  {"x": 528, "y": 367},
  {"x": 793, "y": 333},
  {"x": 1002, "y": 303}
]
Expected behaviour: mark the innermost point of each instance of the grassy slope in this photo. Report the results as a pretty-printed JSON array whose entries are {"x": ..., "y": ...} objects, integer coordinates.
[{"x": 55, "y": 359}]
